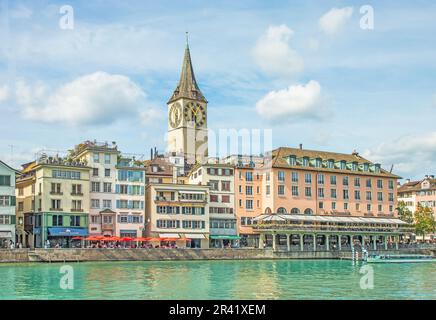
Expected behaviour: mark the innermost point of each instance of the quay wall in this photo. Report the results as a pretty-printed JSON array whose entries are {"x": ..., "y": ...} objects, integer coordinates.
[{"x": 159, "y": 254}]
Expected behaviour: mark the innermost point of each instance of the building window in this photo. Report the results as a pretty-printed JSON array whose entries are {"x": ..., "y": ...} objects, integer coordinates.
[
  {"x": 281, "y": 190},
  {"x": 295, "y": 191},
  {"x": 57, "y": 220},
  {"x": 55, "y": 204},
  {"x": 5, "y": 180},
  {"x": 333, "y": 205},
  {"x": 357, "y": 207},
  {"x": 76, "y": 189},
  {"x": 320, "y": 178},
  {"x": 107, "y": 187},
  {"x": 306, "y": 161},
  {"x": 368, "y": 207},
  {"x": 308, "y": 192},
  {"x": 107, "y": 158},
  {"x": 321, "y": 205},
  {"x": 56, "y": 188},
  {"x": 268, "y": 190},
  {"x": 76, "y": 205},
  {"x": 308, "y": 211},
  {"x": 368, "y": 183},
  {"x": 249, "y": 204},
  {"x": 391, "y": 197},
  {"x": 333, "y": 193},
  {"x": 330, "y": 164},
  {"x": 249, "y": 176},
  {"x": 333, "y": 180},
  {"x": 225, "y": 199},
  {"x": 248, "y": 190},
  {"x": 96, "y": 157},
  {"x": 357, "y": 182},
  {"x": 20, "y": 206},
  {"x": 380, "y": 208},
  {"x": 321, "y": 192},
  {"x": 357, "y": 195},
  {"x": 391, "y": 184},
  {"x": 107, "y": 172},
  {"x": 346, "y": 206},
  {"x": 368, "y": 196},
  {"x": 95, "y": 187},
  {"x": 380, "y": 184},
  {"x": 379, "y": 196},
  {"x": 281, "y": 176},
  {"x": 308, "y": 178},
  {"x": 346, "y": 195},
  {"x": 225, "y": 185},
  {"x": 294, "y": 176},
  {"x": 281, "y": 210},
  {"x": 391, "y": 208},
  {"x": 213, "y": 198},
  {"x": 107, "y": 204},
  {"x": 75, "y": 221},
  {"x": 95, "y": 172},
  {"x": 295, "y": 211},
  {"x": 345, "y": 181},
  {"x": 95, "y": 203}
]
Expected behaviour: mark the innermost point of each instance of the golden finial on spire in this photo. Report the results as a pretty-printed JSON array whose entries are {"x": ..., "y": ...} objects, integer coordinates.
[{"x": 187, "y": 38}]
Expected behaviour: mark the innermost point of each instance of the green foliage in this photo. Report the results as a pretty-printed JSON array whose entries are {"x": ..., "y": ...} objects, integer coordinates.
[
  {"x": 424, "y": 221},
  {"x": 404, "y": 213}
]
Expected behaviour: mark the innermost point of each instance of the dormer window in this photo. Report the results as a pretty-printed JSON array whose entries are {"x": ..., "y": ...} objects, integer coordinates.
[
  {"x": 330, "y": 164},
  {"x": 292, "y": 160},
  {"x": 377, "y": 168},
  {"x": 318, "y": 162},
  {"x": 354, "y": 166},
  {"x": 343, "y": 165},
  {"x": 154, "y": 168},
  {"x": 306, "y": 161},
  {"x": 366, "y": 167}
]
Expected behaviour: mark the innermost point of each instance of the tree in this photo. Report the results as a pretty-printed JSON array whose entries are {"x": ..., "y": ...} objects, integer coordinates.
[
  {"x": 404, "y": 213},
  {"x": 424, "y": 221}
]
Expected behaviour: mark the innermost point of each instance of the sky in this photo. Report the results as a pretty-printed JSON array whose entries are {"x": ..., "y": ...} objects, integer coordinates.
[{"x": 333, "y": 75}]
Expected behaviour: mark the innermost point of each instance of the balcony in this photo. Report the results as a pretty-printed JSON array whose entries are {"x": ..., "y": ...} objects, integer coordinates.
[
  {"x": 76, "y": 210},
  {"x": 55, "y": 209},
  {"x": 78, "y": 194},
  {"x": 55, "y": 193}
]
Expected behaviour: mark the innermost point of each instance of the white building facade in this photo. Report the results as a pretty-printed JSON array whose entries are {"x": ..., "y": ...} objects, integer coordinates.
[{"x": 7, "y": 205}]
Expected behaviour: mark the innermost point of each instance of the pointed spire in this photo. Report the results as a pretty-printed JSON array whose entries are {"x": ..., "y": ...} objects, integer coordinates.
[{"x": 187, "y": 87}]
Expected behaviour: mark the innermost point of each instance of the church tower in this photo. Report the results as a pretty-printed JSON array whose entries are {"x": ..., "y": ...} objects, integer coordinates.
[{"x": 187, "y": 117}]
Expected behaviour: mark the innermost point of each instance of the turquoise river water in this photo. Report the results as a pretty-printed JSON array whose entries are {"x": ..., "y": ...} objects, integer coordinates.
[{"x": 278, "y": 279}]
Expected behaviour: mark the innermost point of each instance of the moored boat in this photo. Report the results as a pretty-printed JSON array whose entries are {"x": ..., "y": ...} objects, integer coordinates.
[{"x": 400, "y": 258}]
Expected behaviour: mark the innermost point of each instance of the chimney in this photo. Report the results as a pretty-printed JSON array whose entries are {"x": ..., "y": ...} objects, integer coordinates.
[
  {"x": 155, "y": 152},
  {"x": 301, "y": 146},
  {"x": 151, "y": 153}
]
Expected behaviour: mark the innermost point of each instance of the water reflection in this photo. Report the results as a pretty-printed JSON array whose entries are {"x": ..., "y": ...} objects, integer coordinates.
[{"x": 279, "y": 279}]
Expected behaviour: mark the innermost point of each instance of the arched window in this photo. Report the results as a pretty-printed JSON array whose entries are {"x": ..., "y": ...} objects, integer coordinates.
[
  {"x": 281, "y": 210},
  {"x": 308, "y": 211},
  {"x": 268, "y": 211},
  {"x": 295, "y": 211}
]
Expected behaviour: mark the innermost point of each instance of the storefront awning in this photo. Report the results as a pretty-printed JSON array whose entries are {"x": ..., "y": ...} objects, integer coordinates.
[
  {"x": 5, "y": 234},
  {"x": 67, "y": 232},
  {"x": 194, "y": 236},
  {"x": 169, "y": 235},
  {"x": 225, "y": 237}
]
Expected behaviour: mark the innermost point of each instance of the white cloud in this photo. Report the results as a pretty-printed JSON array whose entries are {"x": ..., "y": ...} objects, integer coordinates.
[
  {"x": 97, "y": 98},
  {"x": 4, "y": 93},
  {"x": 412, "y": 155},
  {"x": 333, "y": 21},
  {"x": 152, "y": 116},
  {"x": 294, "y": 102},
  {"x": 20, "y": 12},
  {"x": 274, "y": 55},
  {"x": 434, "y": 101}
]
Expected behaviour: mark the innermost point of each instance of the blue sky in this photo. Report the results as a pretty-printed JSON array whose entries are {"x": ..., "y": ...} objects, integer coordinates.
[{"x": 305, "y": 69}]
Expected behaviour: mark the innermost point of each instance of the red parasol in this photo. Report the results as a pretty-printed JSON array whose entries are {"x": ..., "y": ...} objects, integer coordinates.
[{"x": 126, "y": 239}]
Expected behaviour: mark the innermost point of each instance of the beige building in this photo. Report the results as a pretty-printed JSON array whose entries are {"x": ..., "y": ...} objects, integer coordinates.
[
  {"x": 419, "y": 193},
  {"x": 178, "y": 211},
  {"x": 61, "y": 200},
  {"x": 221, "y": 180}
]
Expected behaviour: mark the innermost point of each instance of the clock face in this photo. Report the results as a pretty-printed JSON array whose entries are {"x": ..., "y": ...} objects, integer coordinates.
[
  {"x": 196, "y": 113},
  {"x": 175, "y": 115}
]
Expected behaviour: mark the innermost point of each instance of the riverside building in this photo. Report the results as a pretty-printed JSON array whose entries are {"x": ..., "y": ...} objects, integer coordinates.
[
  {"x": 222, "y": 219},
  {"x": 7, "y": 205},
  {"x": 327, "y": 200}
]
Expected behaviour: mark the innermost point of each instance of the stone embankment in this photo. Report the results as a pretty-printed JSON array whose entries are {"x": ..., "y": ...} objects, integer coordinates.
[{"x": 82, "y": 255}]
